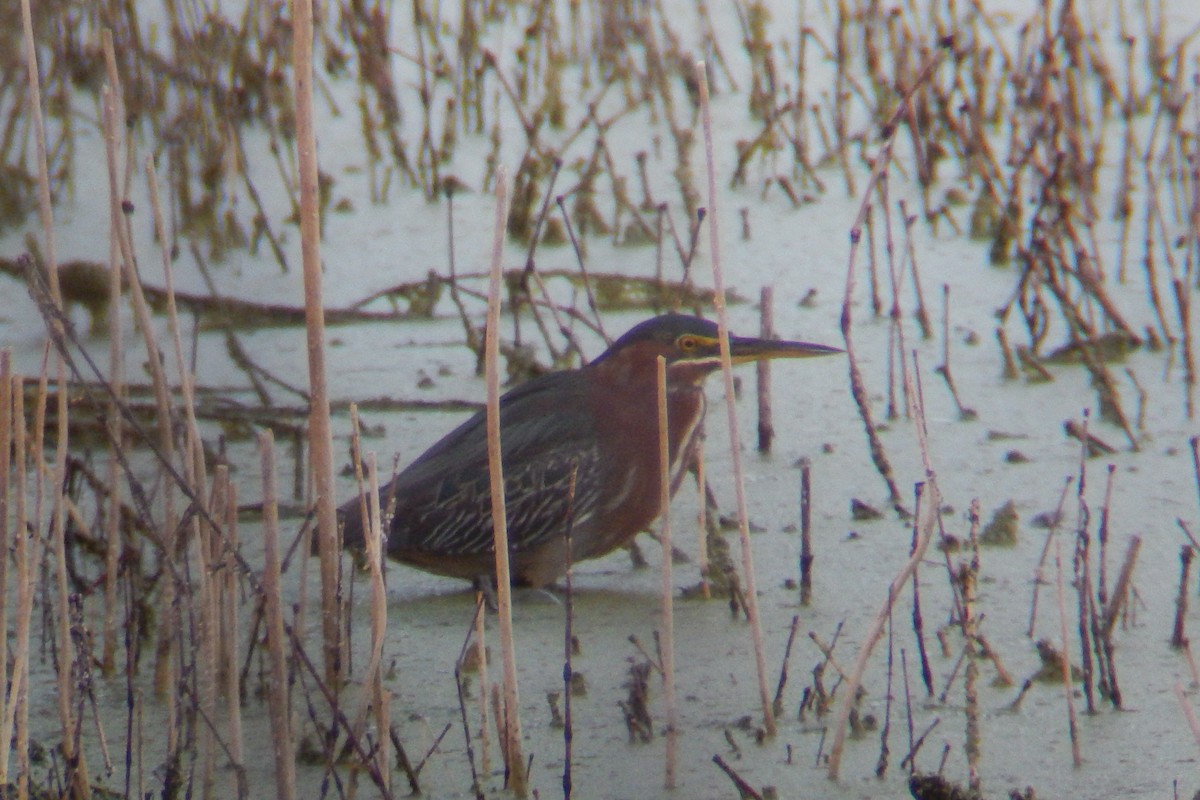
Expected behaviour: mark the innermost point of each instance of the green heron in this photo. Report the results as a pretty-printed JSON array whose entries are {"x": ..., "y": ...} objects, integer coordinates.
[{"x": 600, "y": 420}]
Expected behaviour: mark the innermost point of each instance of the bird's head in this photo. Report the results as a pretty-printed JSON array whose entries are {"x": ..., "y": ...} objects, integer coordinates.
[{"x": 692, "y": 348}]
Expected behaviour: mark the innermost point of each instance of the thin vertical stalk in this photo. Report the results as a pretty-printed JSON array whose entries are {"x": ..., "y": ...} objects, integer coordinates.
[
  {"x": 806, "y": 553},
  {"x": 1188, "y": 712},
  {"x": 1179, "y": 639},
  {"x": 514, "y": 761},
  {"x": 186, "y": 385},
  {"x": 76, "y": 764},
  {"x": 116, "y": 432},
  {"x": 114, "y": 422},
  {"x": 762, "y": 372},
  {"x": 27, "y": 553},
  {"x": 15, "y": 399},
  {"x": 378, "y": 626},
  {"x": 1072, "y": 725},
  {"x": 485, "y": 756},
  {"x": 45, "y": 206},
  {"x": 751, "y": 590},
  {"x": 702, "y": 520},
  {"x": 568, "y": 779},
  {"x": 166, "y": 443},
  {"x": 969, "y": 578},
  {"x": 277, "y": 696},
  {"x": 229, "y": 627},
  {"x": 320, "y": 431},
  {"x": 666, "y": 587},
  {"x": 6, "y": 440}
]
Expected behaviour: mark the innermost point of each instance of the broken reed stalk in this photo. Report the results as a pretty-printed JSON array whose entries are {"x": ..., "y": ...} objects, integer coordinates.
[
  {"x": 460, "y": 689},
  {"x": 969, "y": 579},
  {"x": 1072, "y": 723},
  {"x": 702, "y": 521},
  {"x": 885, "y": 730},
  {"x": 897, "y": 346},
  {"x": 1121, "y": 588},
  {"x": 744, "y": 789},
  {"x": 114, "y": 422},
  {"x": 375, "y": 691},
  {"x": 1189, "y": 713},
  {"x": 277, "y": 692},
  {"x": 1179, "y": 638},
  {"x": 76, "y": 764},
  {"x": 777, "y": 703},
  {"x": 806, "y": 553},
  {"x": 320, "y": 431},
  {"x": 910, "y": 253},
  {"x": 918, "y": 621},
  {"x": 498, "y": 718},
  {"x": 1183, "y": 304},
  {"x": 947, "y": 375},
  {"x": 827, "y": 650},
  {"x": 513, "y": 760},
  {"x": 751, "y": 591},
  {"x": 6, "y": 430},
  {"x": 27, "y": 556},
  {"x": 207, "y": 659},
  {"x": 14, "y": 442},
  {"x": 667, "y": 642},
  {"x": 116, "y": 428},
  {"x": 1037, "y": 572},
  {"x": 1102, "y": 536},
  {"x": 908, "y": 708},
  {"x": 229, "y": 606},
  {"x": 485, "y": 756},
  {"x": 1192, "y": 667},
  {"x": 1194, "y": 443},
  {"x": 762, "y": 371},
  {"x": 370, "y": 509},
  {"x": 1082, "y": 582}
]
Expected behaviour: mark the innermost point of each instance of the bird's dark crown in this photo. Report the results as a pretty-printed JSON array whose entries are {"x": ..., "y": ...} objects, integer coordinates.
[{"x": 677, "y": 336}]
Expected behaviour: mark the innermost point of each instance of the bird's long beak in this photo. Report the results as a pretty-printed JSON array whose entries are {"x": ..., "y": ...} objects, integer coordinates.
[{"x": 743, "y": 349}]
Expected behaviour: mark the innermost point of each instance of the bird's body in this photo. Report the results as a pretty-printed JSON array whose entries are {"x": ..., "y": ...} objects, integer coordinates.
[{"x": 599, "y": 422}]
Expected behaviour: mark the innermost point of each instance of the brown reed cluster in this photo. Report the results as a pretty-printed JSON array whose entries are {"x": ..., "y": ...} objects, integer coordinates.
[{"x": 1006, "y": 137}]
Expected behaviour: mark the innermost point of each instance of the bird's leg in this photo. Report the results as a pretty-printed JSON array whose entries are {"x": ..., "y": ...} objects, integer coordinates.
[
  {"x": 483, "y": 584},
  {"x": 549, "y": 593},
  {"x": 677, "y": 555},
  {"x": 635, "y": 554}
]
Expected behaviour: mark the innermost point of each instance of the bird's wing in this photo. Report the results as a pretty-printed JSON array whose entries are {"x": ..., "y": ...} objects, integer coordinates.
[{"x": 442, "y": 502}]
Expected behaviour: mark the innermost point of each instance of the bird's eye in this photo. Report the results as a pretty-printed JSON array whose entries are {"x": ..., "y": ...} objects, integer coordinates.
[{"x": 687, "y": 343}]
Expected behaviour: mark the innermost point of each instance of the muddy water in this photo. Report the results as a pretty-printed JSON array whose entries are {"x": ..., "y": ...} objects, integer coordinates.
[{"x": 815, "y": 418}]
